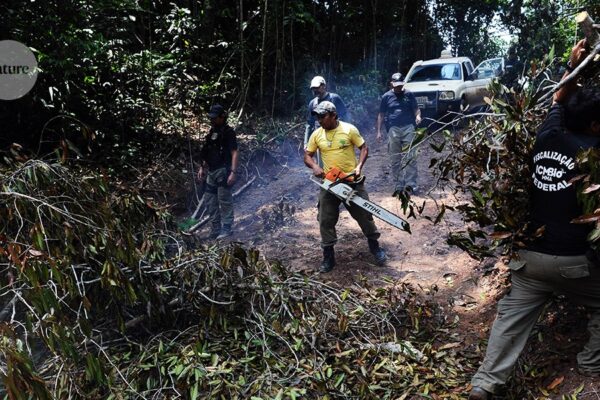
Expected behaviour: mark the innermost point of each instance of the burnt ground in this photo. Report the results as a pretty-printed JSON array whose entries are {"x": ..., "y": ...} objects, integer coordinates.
[{"x": 277, "y": 215}]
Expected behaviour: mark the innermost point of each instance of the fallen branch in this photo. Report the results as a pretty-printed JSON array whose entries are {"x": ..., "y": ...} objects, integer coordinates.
[
  {"x": 7, "y": 308},
  {"x": 246, "y": 185},
  {"x": 285, "y": 132},
  {"x": 200, "y": 204}
]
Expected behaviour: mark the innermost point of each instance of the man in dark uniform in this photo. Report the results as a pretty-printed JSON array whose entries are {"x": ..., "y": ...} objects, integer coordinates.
[
  {"x": 556, "y": 262},
  {"x": 400, "y": 108},
  {"x": 219, "y": 163}
]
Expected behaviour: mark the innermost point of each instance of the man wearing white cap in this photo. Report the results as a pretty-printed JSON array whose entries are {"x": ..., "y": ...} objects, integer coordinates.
[{"x": 319, "y": 89}]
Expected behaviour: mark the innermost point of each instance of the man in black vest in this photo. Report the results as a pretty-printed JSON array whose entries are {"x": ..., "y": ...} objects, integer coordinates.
[
  {"x": 556, "y": 262},
  {"x": 219, "y": 163}
]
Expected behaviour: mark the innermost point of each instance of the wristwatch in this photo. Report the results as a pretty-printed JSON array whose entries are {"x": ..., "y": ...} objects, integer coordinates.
[{"x": 569, "y": 67}]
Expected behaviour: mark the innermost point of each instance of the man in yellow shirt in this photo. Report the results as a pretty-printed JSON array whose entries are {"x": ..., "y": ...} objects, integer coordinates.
[{"x": 337, "y": 140}]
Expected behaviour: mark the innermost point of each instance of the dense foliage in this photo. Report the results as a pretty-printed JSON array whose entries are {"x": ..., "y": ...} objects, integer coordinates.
[
  {"x": 490, "y": 161},
  {"x": 122, "y": 67}
]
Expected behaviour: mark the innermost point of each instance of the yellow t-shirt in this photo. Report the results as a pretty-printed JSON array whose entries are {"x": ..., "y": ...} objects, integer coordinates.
[{"x": 336, "y": 146}]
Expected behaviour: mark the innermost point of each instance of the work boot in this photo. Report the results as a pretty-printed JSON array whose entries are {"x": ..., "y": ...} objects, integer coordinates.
[
  {"x": 478, "y": 393},
  {"x": 377, "y": 251},
  {"x": 411, "y": 190},
  {"x": 225, "y": 232},
  {"x": 215, "y": 230},
  {"x": 328, "y": 259},
  {"x": 588, "y": 373}
]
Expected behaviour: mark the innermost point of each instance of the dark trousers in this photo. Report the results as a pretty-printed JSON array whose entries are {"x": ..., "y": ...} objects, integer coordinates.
[
  {"x": 329, "y": 213},
  {"x": 219, "y": 200}
]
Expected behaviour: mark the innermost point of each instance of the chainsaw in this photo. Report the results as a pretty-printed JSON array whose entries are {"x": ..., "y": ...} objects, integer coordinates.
[{"x": 336, "y": 182}]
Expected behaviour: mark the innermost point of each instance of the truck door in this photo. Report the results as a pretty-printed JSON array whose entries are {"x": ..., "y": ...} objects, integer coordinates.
[{"x": 480, "y": 78}]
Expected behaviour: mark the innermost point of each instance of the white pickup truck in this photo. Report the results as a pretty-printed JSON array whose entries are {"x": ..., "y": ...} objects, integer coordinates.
[{"x": 451, "y": 84}]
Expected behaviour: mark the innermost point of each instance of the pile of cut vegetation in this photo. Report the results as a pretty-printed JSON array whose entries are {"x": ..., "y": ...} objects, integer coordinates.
[{"x": 100, "y": 299}]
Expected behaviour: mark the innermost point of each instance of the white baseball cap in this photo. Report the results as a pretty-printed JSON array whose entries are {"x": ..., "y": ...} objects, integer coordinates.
[{"x": 317, "y": 81}]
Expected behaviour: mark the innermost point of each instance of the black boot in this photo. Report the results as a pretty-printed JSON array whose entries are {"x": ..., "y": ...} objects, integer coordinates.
[
  {"x": 328, "y": 259},
  {"x": 225, "y": 232},
  {"x": 479, "y": 394},
  {"x": 377, "y": 251}
]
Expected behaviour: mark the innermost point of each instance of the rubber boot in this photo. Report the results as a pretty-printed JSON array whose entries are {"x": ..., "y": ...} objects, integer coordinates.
[
  {"x": 214, "y": 231},
  {"x": 377, "y": 251},
  {"x": 328, "y": 259},
  {"x": 226, "y": 231}
]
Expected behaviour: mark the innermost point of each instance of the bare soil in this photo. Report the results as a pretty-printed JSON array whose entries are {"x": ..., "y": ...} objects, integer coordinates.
[{"x": 277, "y": 215}]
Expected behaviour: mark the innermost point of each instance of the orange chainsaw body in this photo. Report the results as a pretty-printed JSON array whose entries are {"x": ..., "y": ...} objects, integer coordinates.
[{"x": 335, "y": 174}]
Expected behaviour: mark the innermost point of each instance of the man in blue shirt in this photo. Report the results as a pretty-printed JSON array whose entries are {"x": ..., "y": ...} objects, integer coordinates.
[
  {"x": 403, "y": 114},
  {"x": 319, "y": 89}
]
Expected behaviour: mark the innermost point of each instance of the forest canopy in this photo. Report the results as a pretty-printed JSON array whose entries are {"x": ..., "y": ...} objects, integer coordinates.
[{"x": 119, "y": 67}]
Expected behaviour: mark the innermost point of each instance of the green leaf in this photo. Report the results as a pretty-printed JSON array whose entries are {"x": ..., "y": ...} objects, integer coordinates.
[{"x": 194, "y": 392}]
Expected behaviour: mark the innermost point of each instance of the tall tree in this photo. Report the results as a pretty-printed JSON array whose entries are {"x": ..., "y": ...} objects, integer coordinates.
[
  {"x": 541, "y": 24},
  {"x": 465, "y": 26}
]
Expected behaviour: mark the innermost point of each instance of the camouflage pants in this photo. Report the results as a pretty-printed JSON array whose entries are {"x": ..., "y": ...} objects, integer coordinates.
[{"x": 219, "y": 200}]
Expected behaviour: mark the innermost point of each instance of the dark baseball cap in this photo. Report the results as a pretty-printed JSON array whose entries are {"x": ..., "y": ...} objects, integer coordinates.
[
  {"x": 216, "y": 110},
  {"x": 397, "y": 79}
]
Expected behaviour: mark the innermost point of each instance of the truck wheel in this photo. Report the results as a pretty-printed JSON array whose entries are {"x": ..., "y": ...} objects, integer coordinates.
[
  {"x": 464, "y": 105},
  {"x": 461, "y": 121}
]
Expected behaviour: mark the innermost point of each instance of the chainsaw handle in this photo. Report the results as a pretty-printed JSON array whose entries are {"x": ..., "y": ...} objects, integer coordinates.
[
  {"x": 357, "y": 178},
  {"x": 350, "y": 175}
]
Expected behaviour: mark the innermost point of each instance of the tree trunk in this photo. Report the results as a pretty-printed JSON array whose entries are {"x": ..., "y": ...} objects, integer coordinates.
[
  {"x": 263, "y": 50},
  {"x": 277, "y": 61},
  {"x": 242, "y": 47},
  {"x": 293, "y": 63},
  {"x": 374, "y": 27},
  {"x": 208, "y": 20},
  {"x": 243, "y": 83},
  {"x": 282, "y": 62},
  {"x": 402, "y": 33}
]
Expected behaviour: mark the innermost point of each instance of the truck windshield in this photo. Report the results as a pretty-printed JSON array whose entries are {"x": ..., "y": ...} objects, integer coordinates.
[{"x": 435, "y": 72}]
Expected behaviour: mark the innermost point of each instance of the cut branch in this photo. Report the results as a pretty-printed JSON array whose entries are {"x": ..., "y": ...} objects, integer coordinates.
[
  {"x": 586, "y": 24},
  {"x": 573, "y": 74}
]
